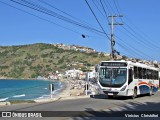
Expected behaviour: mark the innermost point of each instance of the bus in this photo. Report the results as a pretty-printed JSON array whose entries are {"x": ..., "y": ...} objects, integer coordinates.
[{"x": 127, "y": 78}]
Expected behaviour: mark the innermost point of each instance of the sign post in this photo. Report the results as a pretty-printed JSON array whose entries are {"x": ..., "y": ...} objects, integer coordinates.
[
  {"x": 87, "y": 79},
  {"x": 51, "y": 88}
]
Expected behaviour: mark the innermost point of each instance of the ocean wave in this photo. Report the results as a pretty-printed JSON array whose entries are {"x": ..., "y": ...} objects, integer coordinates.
[
  {"x": 3, "y": 99},
  {"x": 45, "y": 88},
  {"x": 59, "y": 83},
  {"x": 56, "y": 91},
  {"x": 58, "y": 87},
  {"x": 43, "y": 96},
  {"x": 17, "y": 96}
]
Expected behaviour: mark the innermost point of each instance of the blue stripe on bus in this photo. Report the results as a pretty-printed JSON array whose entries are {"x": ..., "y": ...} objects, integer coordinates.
[{"x": 146, "y": 89}]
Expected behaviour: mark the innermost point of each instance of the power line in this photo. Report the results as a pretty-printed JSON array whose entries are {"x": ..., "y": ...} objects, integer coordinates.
[
  {"x": 108, "y": 22},
  {"x": 113, "y": 12},
  {"x": 97, "y": 20},
  {"x": 123, "y": 46},
  {"x": 141, "y": 41},
  {"x": 52, "y": 6},
  {"x": 107, "y": 7},
  {"x": 150, "y": 43},
  {"x": 136, "y": 33},
  {"x": 101, "y": 5},
  {"x": 137, "y": 39},
  {"x": 53, "y": 14},
  {"x": 98, "y": 8},
  {"x": 74, "y": 22},
  {"x": 49, "y": 21},
  {"x": 41, "y": 18},
  {"x": 133, "y": 49},
  {"x": 117, "y": 8},
  {"x": 104, "y": 10}
]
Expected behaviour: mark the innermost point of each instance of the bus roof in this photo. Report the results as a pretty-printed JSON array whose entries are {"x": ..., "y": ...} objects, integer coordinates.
[{"x": 130, "y": 63}]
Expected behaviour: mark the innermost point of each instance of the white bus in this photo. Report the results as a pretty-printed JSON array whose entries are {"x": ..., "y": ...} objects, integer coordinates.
[{"x": 126, "y": 78}]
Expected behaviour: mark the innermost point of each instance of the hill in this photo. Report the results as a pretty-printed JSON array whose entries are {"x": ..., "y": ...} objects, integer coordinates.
[{"x": 30, "y": 61}]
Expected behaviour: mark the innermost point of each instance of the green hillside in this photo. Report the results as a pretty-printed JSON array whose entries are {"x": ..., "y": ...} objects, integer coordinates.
[{"x": 30, "y": 61}]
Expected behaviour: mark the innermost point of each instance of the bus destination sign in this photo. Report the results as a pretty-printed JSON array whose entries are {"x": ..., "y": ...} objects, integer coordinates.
[{"x": 114, "y": 64}]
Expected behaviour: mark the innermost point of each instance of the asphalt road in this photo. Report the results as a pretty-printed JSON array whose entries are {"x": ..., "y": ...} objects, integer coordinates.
[{"x": 68, "y": 109}]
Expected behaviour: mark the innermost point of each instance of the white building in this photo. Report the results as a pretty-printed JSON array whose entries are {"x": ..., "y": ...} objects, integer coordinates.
[
  {"x": 92, "y": 74},
  {"x": 73, "y": 73}
]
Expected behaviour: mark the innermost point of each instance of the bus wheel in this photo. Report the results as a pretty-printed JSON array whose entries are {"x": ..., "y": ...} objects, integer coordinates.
[
  {"x": 150, "y": 92},
  {"x": 135, "y": 93}
]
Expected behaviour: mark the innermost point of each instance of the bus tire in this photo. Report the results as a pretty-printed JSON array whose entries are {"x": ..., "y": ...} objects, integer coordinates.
[
  {"x": 134, "y": 94},
  {"x": 150, "y": 92}
]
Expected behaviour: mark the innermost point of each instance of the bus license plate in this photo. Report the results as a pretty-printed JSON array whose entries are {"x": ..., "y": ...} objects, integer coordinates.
[{"x": 110, "y": 93}]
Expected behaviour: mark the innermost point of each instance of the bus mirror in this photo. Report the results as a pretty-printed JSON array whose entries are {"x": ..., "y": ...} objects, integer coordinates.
[
  {"x": 96, "y": 67},
  {"x": 130, "y": 76}
]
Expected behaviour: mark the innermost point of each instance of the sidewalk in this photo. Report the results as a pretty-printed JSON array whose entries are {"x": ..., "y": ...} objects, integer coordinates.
[{"x": 61, "y": 98}]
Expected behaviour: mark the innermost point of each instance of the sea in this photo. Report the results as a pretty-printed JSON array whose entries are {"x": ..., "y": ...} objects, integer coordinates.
[{"x": 28, "y": 89}]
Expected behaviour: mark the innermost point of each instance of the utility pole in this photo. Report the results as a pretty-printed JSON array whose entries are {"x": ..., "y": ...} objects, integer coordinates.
[{"x": 113, "y": 51}]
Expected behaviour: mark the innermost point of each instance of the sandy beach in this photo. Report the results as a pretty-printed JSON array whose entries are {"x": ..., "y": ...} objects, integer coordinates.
[{"x": 67, "y": 92}]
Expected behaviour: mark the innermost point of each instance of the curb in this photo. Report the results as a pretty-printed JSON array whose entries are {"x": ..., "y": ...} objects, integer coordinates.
[
  {"x": 60, "y": 99},
  {"x": 46, "y": 100},
  {"x": 74, "y": 97}
]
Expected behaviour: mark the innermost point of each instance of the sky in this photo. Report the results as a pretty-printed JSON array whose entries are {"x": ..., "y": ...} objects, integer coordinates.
[{"x": 138, "y": 37}]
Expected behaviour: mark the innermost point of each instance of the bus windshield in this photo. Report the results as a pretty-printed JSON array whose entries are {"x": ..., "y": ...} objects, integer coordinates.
[{"x": 112, "y": 77}]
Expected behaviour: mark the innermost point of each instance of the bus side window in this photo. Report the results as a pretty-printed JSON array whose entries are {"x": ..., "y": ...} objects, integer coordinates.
[
  {"x": 140, "y": 72},
  {"x": 130, "y": 76},
  {"x": 135, "y": 73}
]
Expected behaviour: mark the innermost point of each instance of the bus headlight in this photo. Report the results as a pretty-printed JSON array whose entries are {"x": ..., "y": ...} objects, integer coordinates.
[{"x": 123, "y": 88}]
